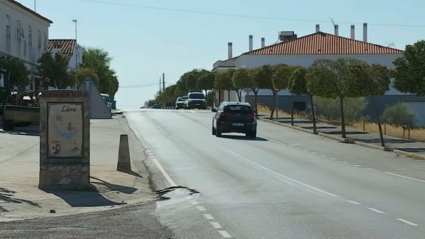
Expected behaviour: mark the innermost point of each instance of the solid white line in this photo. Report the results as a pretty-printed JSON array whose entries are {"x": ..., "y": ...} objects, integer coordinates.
[
  {"x": 401, "y": 176},
  {"x": 407, "y": 222},
  {"x": 281, "y": 175},
  {"x": 376, "y": 210},
  {"x": 225, "y": 234},
  {"x": 167, "y": 177},
  {"x": 201, "y": 208},
  {"x": 209, "y": 216},
  {"x": 353, "y": 202},
  {"x": 216, "y": 225}
]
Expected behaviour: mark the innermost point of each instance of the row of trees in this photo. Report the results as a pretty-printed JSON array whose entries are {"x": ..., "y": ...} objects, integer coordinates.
[
  {"x": 335, "y": 79},
  {"x": 96, "y": 64}
]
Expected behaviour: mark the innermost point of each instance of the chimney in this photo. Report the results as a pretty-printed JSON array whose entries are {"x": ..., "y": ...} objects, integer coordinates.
[
  {"x": 317, "y": 28},
  {"x": 263, "y": 42},
  {"x": 250, "y": 43},
  {"x": 353, "y": 32},
  {"x": 336, "y": 30},
  {"x": 365, "y": 32},
  {"x": 230, "y": 50}
]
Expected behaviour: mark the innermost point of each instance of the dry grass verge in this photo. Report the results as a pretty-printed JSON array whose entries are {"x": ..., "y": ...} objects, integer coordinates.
[{"x": 417, "y": 134}]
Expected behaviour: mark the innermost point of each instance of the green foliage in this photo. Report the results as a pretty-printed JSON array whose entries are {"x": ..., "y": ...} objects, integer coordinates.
[
  {"x": 409, "y": 71},
  {"x": 330, "y": 108},
  {"x": 223, "y": 80},
  {"x": 242, "y": 78},
  {"x": 56, "y": 69},
  {"x": 83, "y": 72},
  {"x": 399, "y": 114},
  {"x": 264, "y": 76},
  {"x": 99, "y": 60},
  {"x": 297, "y": 82},
  {"x": 281, "y": 75},
  {"x": 18, "y": 72},
  {"x": 205, "y": 80}
]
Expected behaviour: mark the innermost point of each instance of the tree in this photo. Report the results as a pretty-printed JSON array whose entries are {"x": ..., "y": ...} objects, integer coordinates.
[
  {"x": 56, "y": 69},
  {"x": 191, "y": 77},
  {"x": 298, "y": 86},
  {"x": 206, "y": 82},
  {"x": 409, "y": 71},
  {"x": 223, "y": 81},
  {"x": 241, "y": 79},
  {"x": 99, "y": 60},
  {"x": 375, "y": 80},
  {"x": 83, "y": 72},
  {"x": 18, "y": 73},
  {"x": 258, "y": 82},
  {"x": 281, "y": 75},
  {"x": 264, "y": 76},
  {"x": 333, "y": 79}
]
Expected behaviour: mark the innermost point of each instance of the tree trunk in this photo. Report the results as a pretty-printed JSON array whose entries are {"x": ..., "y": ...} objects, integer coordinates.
[
  {"x": 213, "y": 97},
  {"x": 274, "y": 105},
  {"x": 292, "y": 109},
  {"x": 313, "y": 114},
  {"x": 239, "y": 93},
  {"x": 228, "y": 95},
  {"x": 255, "y": 101},
  {"x": 381, "y": 135},
  {"x": 341, "y": 102}
]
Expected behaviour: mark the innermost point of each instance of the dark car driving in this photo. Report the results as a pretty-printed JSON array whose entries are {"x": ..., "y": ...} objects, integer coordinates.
[{"x": 234, "y": 117}]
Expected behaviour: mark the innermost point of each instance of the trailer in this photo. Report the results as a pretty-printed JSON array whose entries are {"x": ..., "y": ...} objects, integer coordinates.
[{"x": 21, "y": 109}]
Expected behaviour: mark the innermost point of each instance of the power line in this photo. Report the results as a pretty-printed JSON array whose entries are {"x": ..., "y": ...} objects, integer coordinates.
[
  {"x": 142, "y": 86},
  {"x": 242, "y": 16}
]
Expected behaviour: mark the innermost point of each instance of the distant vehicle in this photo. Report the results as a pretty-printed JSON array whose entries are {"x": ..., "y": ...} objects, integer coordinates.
[
  {"x": 180, "y": 103},
  {"x": 156, "y": 107},
  {"x": 234, "y": 117},
  {"x": 107, "y": 100},
  {"x": 195, "y": 99}
]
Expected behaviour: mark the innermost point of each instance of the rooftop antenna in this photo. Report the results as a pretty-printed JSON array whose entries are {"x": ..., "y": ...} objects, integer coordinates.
[{"x": 332, "y": 20}]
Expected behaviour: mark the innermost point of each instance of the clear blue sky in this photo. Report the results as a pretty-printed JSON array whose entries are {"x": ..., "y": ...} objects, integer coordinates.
[{"x": 145, "y": 41}]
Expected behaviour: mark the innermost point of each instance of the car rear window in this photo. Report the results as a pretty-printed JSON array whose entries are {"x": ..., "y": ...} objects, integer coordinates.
[{"x": 238, "y": 108}]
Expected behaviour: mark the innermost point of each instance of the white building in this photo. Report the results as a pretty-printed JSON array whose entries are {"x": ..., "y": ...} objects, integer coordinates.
[
  {"x": 303, "y": 51},
  {"x": 69, "y": 49},
  {"x": 23, "y": 34}
]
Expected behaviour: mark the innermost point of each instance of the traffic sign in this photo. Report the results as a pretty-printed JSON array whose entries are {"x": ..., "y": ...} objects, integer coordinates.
[{"x": 47, "y": 80}]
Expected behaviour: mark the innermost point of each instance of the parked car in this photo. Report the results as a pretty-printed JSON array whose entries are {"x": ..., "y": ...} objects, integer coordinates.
[
  {"x": 180, "y": 103},
  {"x": 234, "y": 117},
  {"x": 195, "y": 99}
]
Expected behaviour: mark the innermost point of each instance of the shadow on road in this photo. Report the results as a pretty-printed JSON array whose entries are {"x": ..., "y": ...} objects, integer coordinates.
[
  {"x": 240, "y": 137},
  {"x": 113, "y": 187},
  {"x": 31, "y": 130},
  {"x": 6, "y": 196}
]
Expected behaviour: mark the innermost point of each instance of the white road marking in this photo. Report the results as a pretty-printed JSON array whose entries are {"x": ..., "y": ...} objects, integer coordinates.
[
  {"x": 281, "y": 175},
  {"x": 333, "y": 158},
  {"x": 401, "y": 176},
  {"x": 209, "y": 216},
  {"x": 323, "y": 155},
  {"x": 201, "y": 208},
  {"x": 305, "y": 150},
  {"x": 407, "y": 222},
  {"x": 353, "y": 202},
  {"x": 216, "y": 225},
  {"x": 225, "y": 234},
  {"x": 195, "y": 202},
  {"x": 345, "y": 162},
  {"x": 357, "y": 165},
  {"x": 372, "y": 169},
  {"x": 298, "y": 148},
  {"x": 376, "y": 210}
]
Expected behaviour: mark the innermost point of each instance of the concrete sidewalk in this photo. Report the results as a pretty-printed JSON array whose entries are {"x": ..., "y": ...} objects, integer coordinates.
[
  {"x": 19, "y": 169},
  {"x": 399, "y": 146}
]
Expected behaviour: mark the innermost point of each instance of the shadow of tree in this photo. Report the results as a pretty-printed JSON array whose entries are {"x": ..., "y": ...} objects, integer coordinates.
[{"x": 7, "y": 196}]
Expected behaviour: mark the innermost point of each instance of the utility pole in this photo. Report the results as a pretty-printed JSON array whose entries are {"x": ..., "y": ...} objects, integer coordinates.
[
  {"x": 163, "y": 82},
  {"x": 160, "y": 80}
]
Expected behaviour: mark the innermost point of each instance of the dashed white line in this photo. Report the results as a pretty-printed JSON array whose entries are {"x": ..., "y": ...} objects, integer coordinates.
[
  {"x": 194, "y": 202},
  {"x": 216, "y": 225},
  {"x": 401, "y": 176},
  {"x": 298, "y": 148},
  {"x": 225, "y": 234},
  {"x": 209, "y": 216},
  {"x": 281, "y": 175},
  {"x": 305, "y": 150},
  {"x": 372, "y": 169},
  {"x": 407, "y": 222},
  {"x": 323, "y": 155},
  {"x": 333, "y": 158},
  {"x": 344, "y": 162},
  {"x": 353, "y": 202},
  {"x": 357, "y": 165},
  {"x": 201, "y": 208},
  {"x": 376, "y": 210}
]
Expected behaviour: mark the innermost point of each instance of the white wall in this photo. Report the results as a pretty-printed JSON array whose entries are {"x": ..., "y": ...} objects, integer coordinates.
[
  {"x": 27, "y": 48},
  {"x": 77, "y": 58},
  {"x": 252, "y": 61}
]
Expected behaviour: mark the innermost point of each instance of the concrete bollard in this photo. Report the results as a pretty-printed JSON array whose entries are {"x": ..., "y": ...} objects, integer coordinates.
[{"x": 124, "y": 163}]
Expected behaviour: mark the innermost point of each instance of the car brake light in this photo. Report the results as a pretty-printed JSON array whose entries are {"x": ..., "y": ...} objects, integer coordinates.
[
  {"x": 224, "y": 113},
  {"x": 250, "y": 114}
]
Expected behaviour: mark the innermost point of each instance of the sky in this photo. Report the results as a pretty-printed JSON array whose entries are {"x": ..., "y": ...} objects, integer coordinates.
[{"x": 149, "y": 38}]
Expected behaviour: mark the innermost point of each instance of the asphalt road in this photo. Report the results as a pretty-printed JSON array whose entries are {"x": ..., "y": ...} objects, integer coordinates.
[{"x": 284, "y": 184}]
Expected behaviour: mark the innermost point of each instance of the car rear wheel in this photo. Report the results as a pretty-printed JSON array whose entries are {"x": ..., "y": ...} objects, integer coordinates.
[
  {"x": 217, "y": 133},
  {"x": 252, "y": 134}
]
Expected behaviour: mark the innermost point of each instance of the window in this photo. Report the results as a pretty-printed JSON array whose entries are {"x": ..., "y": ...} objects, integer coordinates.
[
  {"x": 29, "y": 36},
  {"x": 238, "y": 108},
  {"x": 8, "y": 32},
  {"x": 39, "y": 39},
  {"x": 198, "y": 96},
  {"x": 44, "y": 41}
]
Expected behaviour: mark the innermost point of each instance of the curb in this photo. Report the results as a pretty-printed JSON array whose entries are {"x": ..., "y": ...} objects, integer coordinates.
[{"x": 350, "y": 141}]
